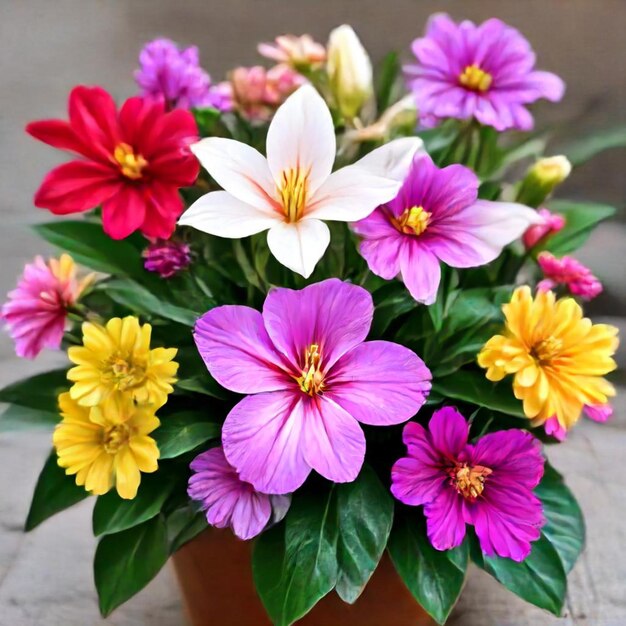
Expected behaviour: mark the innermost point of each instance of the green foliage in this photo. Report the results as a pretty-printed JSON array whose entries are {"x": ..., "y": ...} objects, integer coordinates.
[
  {"x": 182, "y": 432},
  {"x": 434, "y": 577},
  {"x": 183, "y": 525},
  {"x": 388, "y": 82},
  {"x": 206, "y": 119},
  {"x": 54, "y": 492},
  {"x": 194, "y": 376},
  {"x": 583, "y": 150}
]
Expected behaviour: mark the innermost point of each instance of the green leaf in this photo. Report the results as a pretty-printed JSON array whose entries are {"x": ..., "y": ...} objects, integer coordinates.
[
  {"x": 140, "y": 300},
  {"x": 126, "y": 562},
  {"x": 90, "y": 246},
  {"x": 183, "y": 525},
  {"x": 434, "y": 577},
  {"x": 471, "y": 386},
  {"x": 206, "y": 119},
  {"x": 585, "y": 149},
  {"x": 194, "y": 376},
  {"x": 181, "y": 432},
  {"x": 365, "y": 510},
  {"x": 34, "y": 401},
  {"x": 387, "y": 81},
  {"x": 390, "y": 302},
  {"x": 54, "y": 492},
  {"x": 565, "y": 528},
  {"x": 113, "y": 514},
  {"x": 580, "y": 219},
  {"x": 295, "y": 564},
  {"x": 540, "y": 579}
]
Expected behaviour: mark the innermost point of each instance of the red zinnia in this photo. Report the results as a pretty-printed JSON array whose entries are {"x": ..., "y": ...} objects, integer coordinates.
[{"x": 133, "y": 162}]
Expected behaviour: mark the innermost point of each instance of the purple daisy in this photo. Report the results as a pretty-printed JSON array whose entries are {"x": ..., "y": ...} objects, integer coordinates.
[
  {"x": 488, "y": 484},
  {"x": 176, "y": 76},
  {"x": 436, "y": 217},
  {"x": 485, "y": 72},
  {"x": 313, "y": 379},
  {"x": 228, "y": 500}
]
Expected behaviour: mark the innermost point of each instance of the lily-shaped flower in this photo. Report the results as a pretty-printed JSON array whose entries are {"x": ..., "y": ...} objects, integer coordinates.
[{"x": 291, "y": 191}]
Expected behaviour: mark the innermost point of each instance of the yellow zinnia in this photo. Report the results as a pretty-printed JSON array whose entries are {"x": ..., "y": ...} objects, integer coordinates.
[
  {"x": 108, "y": 445},
  {"x": 557, "y": 356},
  {"x": 117, "y": 358}
]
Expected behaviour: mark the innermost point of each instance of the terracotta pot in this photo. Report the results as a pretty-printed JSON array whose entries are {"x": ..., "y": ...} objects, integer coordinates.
[{"x": 215, "y": 576}]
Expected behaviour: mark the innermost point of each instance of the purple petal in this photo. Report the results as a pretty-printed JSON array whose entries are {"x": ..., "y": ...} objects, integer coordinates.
[
  {"x": 334, "y": 444},
  {"x": 445, "y": 524},
  {"x": 379, "y": 383},
  {"x": 449, "y": 431},
  {"x": 333, "y": 314},
  {"x": 379, "y": 246},
  {"x": 420, "y": 270},
  {"x": 238, "y": 352},
  {"x": 262, "y": 438}
]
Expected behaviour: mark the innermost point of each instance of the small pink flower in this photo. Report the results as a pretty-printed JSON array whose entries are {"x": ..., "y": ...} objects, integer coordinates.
[
  {"x": 597, "y": 412},
  {"x": 296, "y": 51},
  {"x": 488, "y": 484},
  {"x": 569, "y": 272},
  {"x": 36, "y": 311},
  {"x": 167, "y": 257},
  {"x": 537, "y": 233}
]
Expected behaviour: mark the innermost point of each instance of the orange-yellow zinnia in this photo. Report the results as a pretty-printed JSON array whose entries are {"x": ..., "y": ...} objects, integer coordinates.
[{"x": 557, "y": 356}]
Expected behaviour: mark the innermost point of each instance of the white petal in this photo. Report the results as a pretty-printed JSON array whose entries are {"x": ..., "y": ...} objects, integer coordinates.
[
  {"x": 353, "y": 192},
  {"x": 302, "y": 135},
  {"x": 239, "y": 169},
  {"x": 299, "y": 245},
  {"x": 219, "y": 213}
]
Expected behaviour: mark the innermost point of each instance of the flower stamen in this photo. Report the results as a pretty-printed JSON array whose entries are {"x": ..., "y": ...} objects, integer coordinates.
[
  {"x": 546, "y": 349},
  {"x": 130, "y": 164},
  {"x": 115, "y": 437},
  {"x": 293, "y": 193},
  {"x": 476, "y": 79},
  {"x": 122, "y": 373},
  {"x": 413, "y": 221},
  {"x": 470, "y": 481},
  {"x": 312, "y": 379}
]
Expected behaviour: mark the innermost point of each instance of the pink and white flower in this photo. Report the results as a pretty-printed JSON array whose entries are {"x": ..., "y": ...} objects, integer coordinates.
[
  {"x": 292, "y": 191},
  {"x": 569, "y": 272},
  {"x": 302, "y": 51},
  {"x": 312, "y": 378}
]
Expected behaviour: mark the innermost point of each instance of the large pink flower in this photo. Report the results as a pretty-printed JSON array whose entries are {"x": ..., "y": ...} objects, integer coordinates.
[
  {"x": 312, "y": 379},
  {"x": 488, "y": 484}
]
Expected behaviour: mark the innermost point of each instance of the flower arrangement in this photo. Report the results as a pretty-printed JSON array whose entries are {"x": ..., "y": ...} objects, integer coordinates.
[{"x": 323, "y": 313}]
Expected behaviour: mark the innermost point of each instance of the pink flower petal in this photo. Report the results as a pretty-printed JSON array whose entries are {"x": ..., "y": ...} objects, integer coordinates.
[
  {"x": 420, "y": 270},
  {"x": 445, "y": 524},
  {"x": 449, "y": 431}
]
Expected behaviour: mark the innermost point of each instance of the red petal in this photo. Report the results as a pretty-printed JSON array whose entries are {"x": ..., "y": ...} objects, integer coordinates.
[
  {"x": 164, "y": 209},
  {"x": 140, "y": 120},
  {"x": 124, "y": 213},
  {"x": 56, "y": 133},
  {"x": 76, "y": 186}
]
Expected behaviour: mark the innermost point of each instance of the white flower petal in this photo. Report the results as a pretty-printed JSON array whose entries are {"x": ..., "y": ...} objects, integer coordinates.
[
  {"x": 353, "y": 192},
  {"x": 239, "y": 169},
  {"x": 302, "y": 135},
  {"x": 219, "y": 213},
  {"x": 299, "y": 245}
]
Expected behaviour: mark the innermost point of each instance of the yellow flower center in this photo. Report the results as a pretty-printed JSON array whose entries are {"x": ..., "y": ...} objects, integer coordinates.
[
  {"x": 546, "y": 349},
  {"x": 124, "y": 373},
  {"x": 115, "y": 437},
  {"x": 130, "y": 164},
  {"x": 470, "y": 481},
  {"x": 475, "y": 79},
  {"x": 413, "y": 221},
  {"x": 312, "y": 379},
  {"x": 293, "y": 191}
]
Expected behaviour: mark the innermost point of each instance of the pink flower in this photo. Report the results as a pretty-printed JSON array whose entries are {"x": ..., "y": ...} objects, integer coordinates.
[
  {"x": 488, "y": 484},
  {"x": 302, "y": 51},
  {"x": 435, "y": 217},
  {"x": 36, "y": 311},
  {"x": 569, "y": 272},
  {"x": 485, "y": 72},
  {"x": 598, "y": 413},
  {"x": 167, "y": 257},
  {"x": 312, "y": 379},
  {"x": 227, "y": 500},
  {"x": 551, "y": 223}
]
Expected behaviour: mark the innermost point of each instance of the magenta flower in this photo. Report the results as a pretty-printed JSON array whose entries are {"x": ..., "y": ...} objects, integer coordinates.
[
  {"x": 167, "y": 257},
  {"x": 598, "y": 413},
  {"x": 488, "y": 484},
  {"x": 484, "y": 72},
  {"x": 551, "y": 223},
  {"x": 227, "y": 500},
  {"x": 436, "y": 217},
  {"x": 569, "y": 272},
  {"x": 176, "y": 76},
  {"x": 312, "y": 378}
]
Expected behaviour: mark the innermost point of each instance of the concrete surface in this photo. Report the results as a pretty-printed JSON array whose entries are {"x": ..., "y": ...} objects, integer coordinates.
[{"x": 48, "y": 46}]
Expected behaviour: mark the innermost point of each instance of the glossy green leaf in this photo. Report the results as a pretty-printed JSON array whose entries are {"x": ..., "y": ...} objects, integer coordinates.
[
  {"x": 206, "y": 119},
  {"x": 183, "y": 525},
  {"x": 54, "y": 492},
  {"x": 472, "y": 386},
  {"x": 565, "y": 527},
  {"x": 390, "y": 302},
  {"x": 586, "y": 148},
  {"x": 434, "y": 577},
  {"x": 194, "y": 376},
  {"x": 295, "y": 564},
  {"x": 365, "y": 516},
  {"x": 580, "y": 219},
  {"x": 113, "y": 514},
  {"x": 126, "y": 562},
  {"x": 540, "y": 579},
  {"x": 388, "y": 77},
  {"x": 181, "y": 432}
]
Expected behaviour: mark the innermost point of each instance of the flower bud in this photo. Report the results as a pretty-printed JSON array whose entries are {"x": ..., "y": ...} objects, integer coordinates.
[
  {"x": 349, "y": 71},
  {"x": 537, "y": 233},
  {"x": 542, "y": 178}
]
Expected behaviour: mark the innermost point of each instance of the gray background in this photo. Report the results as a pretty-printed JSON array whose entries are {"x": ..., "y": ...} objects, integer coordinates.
[{"x": 47, "y": 46}]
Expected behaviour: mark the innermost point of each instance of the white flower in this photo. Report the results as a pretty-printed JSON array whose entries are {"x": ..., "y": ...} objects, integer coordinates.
[{"x": 293, "y": 190}]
